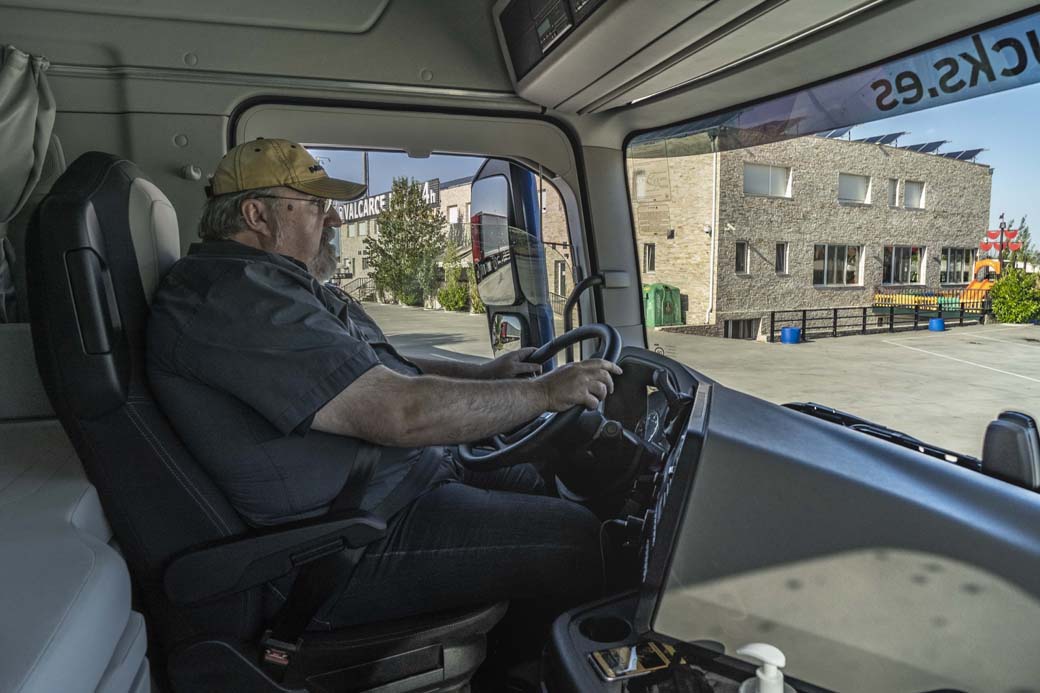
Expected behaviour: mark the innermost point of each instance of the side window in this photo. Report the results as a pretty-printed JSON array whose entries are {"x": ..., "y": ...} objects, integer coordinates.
[
  {"x": 771, "y": 181},
  {"x": 649, "y": 257},
  {"x": 955, "y": 265},
  {"x": 836, "y": 265},
  {"x": 741, "y": 257},
  {"x": 853, "y": 188},
  {"x": 781, "y": 258},
  {"x": 407, "y": 245},
  {"x": 903, "y": 264},
  {"x": 913, "y": 194}
]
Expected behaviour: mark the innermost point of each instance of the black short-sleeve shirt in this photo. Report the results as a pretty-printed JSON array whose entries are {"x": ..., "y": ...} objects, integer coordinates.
[{"x": 244, "y": 347}]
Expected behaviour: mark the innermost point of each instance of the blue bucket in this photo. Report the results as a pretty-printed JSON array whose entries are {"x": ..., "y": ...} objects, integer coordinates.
[
  {"x": 936, "y": 324},
  {"x": 790, "y": 335}
]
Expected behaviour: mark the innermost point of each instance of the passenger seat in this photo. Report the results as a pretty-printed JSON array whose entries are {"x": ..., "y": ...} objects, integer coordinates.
[{"x": 66, "y": 622}]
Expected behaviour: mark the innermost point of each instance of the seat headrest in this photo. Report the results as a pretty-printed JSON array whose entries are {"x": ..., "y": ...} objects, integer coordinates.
[
  {"x": 98, "y": 245},
  {"x": 153, "y": 226}
]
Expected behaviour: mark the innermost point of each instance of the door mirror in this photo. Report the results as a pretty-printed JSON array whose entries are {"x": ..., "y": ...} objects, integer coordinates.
[
  {"x": 491, "y": 243},
  {"x": 509, "y": 262},
  {"x": 508, "y": 333}
]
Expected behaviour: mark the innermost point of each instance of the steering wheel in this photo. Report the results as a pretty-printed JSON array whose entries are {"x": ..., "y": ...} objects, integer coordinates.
[{"x": 511, "y": 448}]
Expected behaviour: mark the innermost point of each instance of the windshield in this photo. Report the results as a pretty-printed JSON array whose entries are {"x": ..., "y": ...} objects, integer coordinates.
[
  {"x": 835, "y": 231},
  {"x": 855, "y": 244}
]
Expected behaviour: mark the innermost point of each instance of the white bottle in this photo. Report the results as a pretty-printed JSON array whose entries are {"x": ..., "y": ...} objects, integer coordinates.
[{"x": 768, "y": 677}]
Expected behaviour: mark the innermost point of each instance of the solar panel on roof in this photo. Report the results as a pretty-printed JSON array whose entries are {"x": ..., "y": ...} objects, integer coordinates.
[
  {"x": 915, "y": 147},
  {"x": 889, "y": 139},
  {"x": 840, "y": 132},
  {"x": 952, "y": 155},
  {"x": 932, "y": 146},
  {"x": 969, "y": 154},
  {"x": 871, "y": 140}
]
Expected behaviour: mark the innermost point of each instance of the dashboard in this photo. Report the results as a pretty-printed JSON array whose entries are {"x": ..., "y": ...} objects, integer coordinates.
[{"x": 759, "y": 523}]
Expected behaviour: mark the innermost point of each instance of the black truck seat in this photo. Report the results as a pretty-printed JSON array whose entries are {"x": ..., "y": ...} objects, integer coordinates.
[{"x": 98, "y": 245}]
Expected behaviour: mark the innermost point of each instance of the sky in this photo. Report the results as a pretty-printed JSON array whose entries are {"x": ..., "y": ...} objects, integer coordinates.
[
  {"x": 383, "y": 167},
  {"x": 1004, "y": 124}
]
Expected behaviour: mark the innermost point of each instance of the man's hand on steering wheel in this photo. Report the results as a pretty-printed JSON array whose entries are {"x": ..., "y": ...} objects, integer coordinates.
[
  {"x": 584, "y": 383},
  {"x": 569, "y": 391},
  {"x": 510, "y": 365}
]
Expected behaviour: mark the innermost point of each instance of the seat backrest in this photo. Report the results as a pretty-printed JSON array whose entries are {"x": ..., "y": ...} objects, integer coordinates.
[{"x": 98, "y": 245}]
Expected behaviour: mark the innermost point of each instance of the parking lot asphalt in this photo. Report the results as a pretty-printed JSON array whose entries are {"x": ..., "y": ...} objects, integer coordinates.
[{"x": 941, "y": 387}]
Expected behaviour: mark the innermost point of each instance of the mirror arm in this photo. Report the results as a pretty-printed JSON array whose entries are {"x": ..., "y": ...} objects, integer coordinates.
[{"x": 582, "y": 286}]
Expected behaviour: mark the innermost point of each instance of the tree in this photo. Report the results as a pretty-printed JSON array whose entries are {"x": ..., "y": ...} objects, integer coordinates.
[
  {"x": 1026, "y": 256},
  {"x": 403, "y": 254},
  {"x": 1016, "y": 296},
  {"x": 454, "y": 294}
]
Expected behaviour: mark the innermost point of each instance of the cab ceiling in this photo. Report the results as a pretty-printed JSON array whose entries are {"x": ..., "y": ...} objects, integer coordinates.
[
  {"x": 116, "y": 56},
  {"x": 448, "y": 44}
]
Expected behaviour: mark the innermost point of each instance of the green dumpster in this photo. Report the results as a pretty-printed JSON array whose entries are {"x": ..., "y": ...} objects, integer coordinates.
[{"x": 661, "y": 305}]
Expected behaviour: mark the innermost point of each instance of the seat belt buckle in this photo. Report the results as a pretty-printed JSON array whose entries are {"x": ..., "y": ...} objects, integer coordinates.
[{"x": 277, "y": 653}]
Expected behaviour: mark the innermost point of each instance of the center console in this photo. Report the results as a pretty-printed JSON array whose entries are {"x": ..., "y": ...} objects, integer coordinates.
[{"x": 604, "y": 646}]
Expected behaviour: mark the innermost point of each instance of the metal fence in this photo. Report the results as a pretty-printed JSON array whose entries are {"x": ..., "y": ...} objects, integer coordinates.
[
  {"x": 558, "y": 302},
  {"x": 834, "y": 322},
  {"x": 360, "y": 288}
]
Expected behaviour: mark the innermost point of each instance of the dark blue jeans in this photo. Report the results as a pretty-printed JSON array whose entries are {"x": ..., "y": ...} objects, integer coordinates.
[{"x": 478, "y": 539}]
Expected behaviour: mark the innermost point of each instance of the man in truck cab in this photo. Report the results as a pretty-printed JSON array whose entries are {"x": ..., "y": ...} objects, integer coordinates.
[{"x": 290, "y": 396}]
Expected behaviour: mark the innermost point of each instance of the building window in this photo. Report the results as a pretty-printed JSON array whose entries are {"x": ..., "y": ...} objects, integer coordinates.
[
  {"x": 640, "y": 184},
  {"x": 351, "y": 230},
  {"x": 741, "y": 329},
  {"x": 560, "y": 278},
  {"x": 468, "y": 215},
  {"x": 649, "y": 257},
  {"x": 893, "y": 192},
  {"x": 364, "y": 262},
  {"x": 956, "y": 265},
  {"x": 374, "y": 227},
  {"x": 853, "y": 188},
  {"x": 743, "y": 250},
  {"x": 774, "y": 181},
  {"x": 913, "y": 194},
  {"x": 453, "y": 214},
  {"x": 362, "y": 228},
  {"x": 903, "y": 264},
  {"x": 781, "y": 258},
  {"x": 836, "y": 265}
]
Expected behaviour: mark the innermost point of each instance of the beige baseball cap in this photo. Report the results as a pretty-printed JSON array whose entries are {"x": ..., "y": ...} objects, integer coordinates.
[{"x": 265, "y": 163}]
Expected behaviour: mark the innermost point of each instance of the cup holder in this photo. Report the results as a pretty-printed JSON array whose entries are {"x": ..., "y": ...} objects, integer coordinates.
[{"x": 605, "y": 628}]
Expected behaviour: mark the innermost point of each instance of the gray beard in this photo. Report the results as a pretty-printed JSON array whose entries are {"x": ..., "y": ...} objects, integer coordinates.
[{"x": 323, "y": 266}]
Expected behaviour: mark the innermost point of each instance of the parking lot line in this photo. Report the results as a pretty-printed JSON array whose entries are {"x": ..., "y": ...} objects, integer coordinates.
[{"x": 970, "y": 363}]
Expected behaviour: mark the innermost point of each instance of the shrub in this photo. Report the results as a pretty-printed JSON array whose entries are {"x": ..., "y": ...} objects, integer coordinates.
[
  {"x": 453, "y": 297},
  {"x": 475, "y": 304},
  {"x": 1016, "y": 297}
]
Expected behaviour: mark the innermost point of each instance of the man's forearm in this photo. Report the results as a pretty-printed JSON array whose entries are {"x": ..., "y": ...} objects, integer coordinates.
[
  {"x": 391, "y": 409},
  {"x": 445, "y": 411},
  {"x": 449, "y": 369}
]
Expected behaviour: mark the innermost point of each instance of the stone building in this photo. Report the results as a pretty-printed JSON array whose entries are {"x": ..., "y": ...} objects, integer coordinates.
[{"x": 810, "y": 222}]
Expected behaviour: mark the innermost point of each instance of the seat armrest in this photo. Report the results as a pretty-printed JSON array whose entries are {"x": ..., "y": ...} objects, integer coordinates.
[{"x": 234, "y": 565}]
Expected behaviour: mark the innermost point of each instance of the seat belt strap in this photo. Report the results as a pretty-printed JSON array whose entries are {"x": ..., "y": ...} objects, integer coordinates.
[
  {"x": 317, "y": 579},
  {"x": 325, "y": 576}
]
